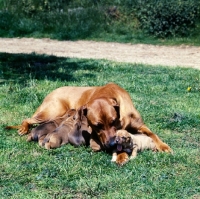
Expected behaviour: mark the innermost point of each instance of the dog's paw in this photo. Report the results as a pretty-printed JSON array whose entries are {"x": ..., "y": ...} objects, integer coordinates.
[
  {"x": 94, "y": 146},
  {"x": 163, "y": 147},
  {"x": 122, "y": 159},
  {"x": 22, "y": 131}
]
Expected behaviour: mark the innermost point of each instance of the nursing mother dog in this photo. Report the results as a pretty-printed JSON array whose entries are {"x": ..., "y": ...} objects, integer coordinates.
[{"x": 107, "y": 109}]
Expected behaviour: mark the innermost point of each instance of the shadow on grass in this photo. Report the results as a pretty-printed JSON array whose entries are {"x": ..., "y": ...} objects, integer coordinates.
[{"x": 20, "y": 67}]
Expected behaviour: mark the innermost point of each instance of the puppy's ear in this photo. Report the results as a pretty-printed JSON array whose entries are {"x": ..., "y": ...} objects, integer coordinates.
[{"x": 128, "y": 139}]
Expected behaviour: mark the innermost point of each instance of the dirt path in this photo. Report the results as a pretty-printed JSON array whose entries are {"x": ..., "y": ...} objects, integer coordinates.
[{"x": 184, "y": 56}]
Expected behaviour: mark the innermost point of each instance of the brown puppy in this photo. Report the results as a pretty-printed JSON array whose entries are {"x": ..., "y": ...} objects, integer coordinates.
[
  {"x": 131, "y": 144},
  {"x": 74, "y": 130},
  {"x": 107, "y": 109},
  {"x": 38, "y": 133},
  {"x": 81, "y": 133}
]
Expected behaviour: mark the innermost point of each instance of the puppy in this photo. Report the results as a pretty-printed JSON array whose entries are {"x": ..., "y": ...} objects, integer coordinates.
[
  {"x": 127, "y": 143},
  {"x": 81, "y": 133},
  {"x": 73, "y": 130},
  {"x": 38, "y": 133}
]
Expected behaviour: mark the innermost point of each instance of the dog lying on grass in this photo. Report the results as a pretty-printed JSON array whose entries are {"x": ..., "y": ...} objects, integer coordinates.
[
  {"x": 39, "y": 133},
  {"x": 107, "y": 109},
  {"x": 127, "y": 143},
  {"x": 73, "y": 130}
]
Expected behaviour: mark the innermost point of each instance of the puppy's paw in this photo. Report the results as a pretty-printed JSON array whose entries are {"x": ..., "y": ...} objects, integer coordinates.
[
  {"x": 47, "y": 145},
  {"x": 122, "y": 158},
  {"x": 114, "y": 158},
  {"x": 29, "y": 138}
]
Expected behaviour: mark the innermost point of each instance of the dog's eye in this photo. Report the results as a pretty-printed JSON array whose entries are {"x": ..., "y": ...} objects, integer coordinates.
[
  {"x": 99, "y": 125},
  {"x": 112, "y": 122}
]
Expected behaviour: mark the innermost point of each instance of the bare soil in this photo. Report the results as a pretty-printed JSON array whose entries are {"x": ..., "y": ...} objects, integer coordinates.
[{"x": 183, "y": 56}]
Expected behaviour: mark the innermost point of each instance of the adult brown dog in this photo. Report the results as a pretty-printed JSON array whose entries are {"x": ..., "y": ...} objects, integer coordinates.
[
  {"x": 107, "y": 109},
  {"x": 73, "y": 130}
]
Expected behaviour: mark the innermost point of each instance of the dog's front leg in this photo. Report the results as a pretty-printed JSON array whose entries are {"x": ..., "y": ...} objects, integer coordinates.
[
  {"x": 160, "y": 145},
  {"x": 95, "y": 144}
]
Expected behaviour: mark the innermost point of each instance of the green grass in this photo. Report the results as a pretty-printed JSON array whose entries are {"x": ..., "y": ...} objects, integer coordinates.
[
  {"x": 88, "y": 20},
  {"x": 159, "y": 93}
]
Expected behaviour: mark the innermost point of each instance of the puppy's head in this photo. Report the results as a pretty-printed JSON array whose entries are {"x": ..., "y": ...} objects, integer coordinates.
[
  {"x": 70, "y": 119},
  {"x": 103, "y": 118},
  {"x": 123, "y": 141}
]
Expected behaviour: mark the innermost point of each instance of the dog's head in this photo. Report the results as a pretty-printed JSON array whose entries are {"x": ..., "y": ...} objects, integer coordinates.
[
  {"x": 123, "y": 141},
  {"x": 103, "y": 118}
]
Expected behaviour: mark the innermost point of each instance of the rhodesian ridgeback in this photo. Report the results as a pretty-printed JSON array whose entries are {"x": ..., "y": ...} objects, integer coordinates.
[{"x": 107, "y": 109}]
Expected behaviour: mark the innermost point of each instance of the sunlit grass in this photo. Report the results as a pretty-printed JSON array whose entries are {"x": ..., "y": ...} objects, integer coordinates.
[{"x": 159, "y": 93}]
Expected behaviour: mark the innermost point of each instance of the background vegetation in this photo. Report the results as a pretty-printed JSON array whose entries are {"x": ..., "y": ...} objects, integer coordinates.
[
  {"x": 136, "y": 21},
  {"x": 159, "y": 93}
]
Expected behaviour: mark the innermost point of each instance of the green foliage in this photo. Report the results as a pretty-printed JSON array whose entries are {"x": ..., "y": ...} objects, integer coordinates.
[
  {"x": 133, "y": 21},
  {"x": 31, "y": 7},
  {"x": 164, "y": 18},
  {"x": 29, "y": 17},
  {"x": 159, "y": 93}
]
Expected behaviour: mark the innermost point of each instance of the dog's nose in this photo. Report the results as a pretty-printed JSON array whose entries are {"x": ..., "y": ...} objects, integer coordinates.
[{"x": 113, "y": 141}]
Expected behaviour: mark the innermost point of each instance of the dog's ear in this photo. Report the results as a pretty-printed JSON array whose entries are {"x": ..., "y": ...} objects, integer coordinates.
[
  {"x": 80, "y": 112},
  {"x": 113, "y": 102},
  {"x": 116, "y": 106},
  {"x": 84, "y": 110}
]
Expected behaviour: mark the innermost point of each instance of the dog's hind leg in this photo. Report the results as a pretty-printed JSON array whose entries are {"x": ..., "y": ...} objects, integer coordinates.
[
  {"x": 47, "y": 111},
  {"x": 24, "y": 128}
]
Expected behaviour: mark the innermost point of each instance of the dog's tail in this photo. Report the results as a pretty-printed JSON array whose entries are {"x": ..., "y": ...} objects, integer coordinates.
[{"x": 13, "y": 127}]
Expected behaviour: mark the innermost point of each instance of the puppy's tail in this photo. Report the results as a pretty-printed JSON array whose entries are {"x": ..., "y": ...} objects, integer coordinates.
[{"x": 13, "y": 127}]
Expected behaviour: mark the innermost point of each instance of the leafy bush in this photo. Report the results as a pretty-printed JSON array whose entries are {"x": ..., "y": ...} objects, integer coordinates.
[
  {"x": 29, "y": 17},
  {"x": 31, "y": 7},
  {"x": 165, "y": 18},
  {"x": 110, "y": 20}
]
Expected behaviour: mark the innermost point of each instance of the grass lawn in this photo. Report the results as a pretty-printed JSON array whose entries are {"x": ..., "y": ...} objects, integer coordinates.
[{"x": 159, "y": 93}]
